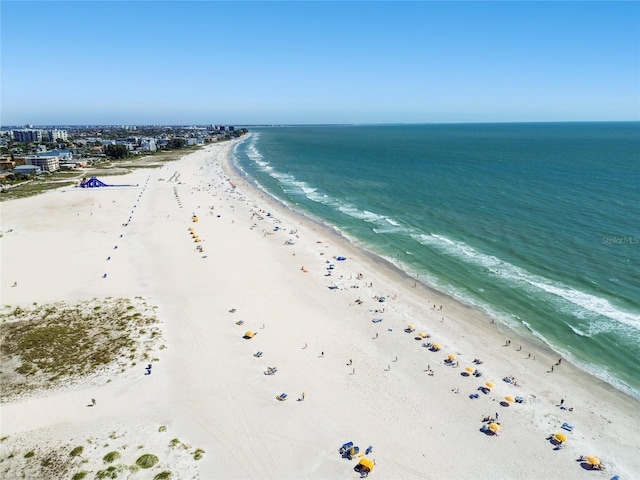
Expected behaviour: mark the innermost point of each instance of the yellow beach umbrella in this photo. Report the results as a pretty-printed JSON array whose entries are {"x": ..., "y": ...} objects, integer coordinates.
[
  {"x": 494, "y": 427},
  {"x": 593, "y": 460},
  {"x": 422, "y": 335},
  {"x": 451, "y": 356},
  {"x": 490, "y": 384},
  {"x": 410, "y": 327},
  {"x": 437, "y": 346},
  {"x": 509, "y": 398},
  {"x": 561, "y": 437},
  {"x": 470, "y": 369}
]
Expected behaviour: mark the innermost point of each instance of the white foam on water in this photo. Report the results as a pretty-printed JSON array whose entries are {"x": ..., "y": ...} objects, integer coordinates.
[
  {"x": 574, "y": 302},
  {"x": 591, "y": 303},
  {"x": 597, "y": 371}
]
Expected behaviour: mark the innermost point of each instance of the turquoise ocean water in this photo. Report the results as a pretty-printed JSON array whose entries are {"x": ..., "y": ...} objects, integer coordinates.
[{"x": 536, "y": 224}]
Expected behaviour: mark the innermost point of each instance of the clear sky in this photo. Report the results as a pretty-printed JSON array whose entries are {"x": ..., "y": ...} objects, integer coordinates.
[{"x": 181, "y": 62}]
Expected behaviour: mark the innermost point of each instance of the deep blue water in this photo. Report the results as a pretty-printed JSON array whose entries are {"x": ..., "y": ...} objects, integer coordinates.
[{"x": 536, "y": 224}]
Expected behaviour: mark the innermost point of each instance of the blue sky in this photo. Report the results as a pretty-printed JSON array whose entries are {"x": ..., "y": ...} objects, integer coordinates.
[{"x": 145, "y": 62}]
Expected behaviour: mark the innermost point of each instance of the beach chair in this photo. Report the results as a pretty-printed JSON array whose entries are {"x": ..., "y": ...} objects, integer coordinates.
[
  {"x": 345, "y": 448},
  {"x": 282, "y": 397},
  {"x": 352, "y": 452},
  {"x": 233, "y": 310},
  {"x": 239, "y": 322},
  {"x": 567, "y": 427},
  {"x": 257, "y": 354}
]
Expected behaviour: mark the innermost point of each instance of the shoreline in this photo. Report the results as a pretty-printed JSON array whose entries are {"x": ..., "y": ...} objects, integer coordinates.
[
  {"x": 209, "y": 389},
  {"x": 523, "y": 337}
]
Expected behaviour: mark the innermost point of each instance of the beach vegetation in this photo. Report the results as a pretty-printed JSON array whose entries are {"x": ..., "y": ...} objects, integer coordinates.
[
  {"x": 29, "y": 454},
  {"x": 110, "y": 472},
  {"x": 162, "y": 428},
  {"x": 198, "y": 454},
  {"x": 53, "y": 344},
  {"x": 111, "y": 457},
  {"x": 77, "y": 451},
  {"x": 79, "y": 475},
  {"x": 166, "y": 475},
  {"x": 174, "y": 442},
  {"x": 147, "y": 460},
  {"x": 2, "y": 439}
]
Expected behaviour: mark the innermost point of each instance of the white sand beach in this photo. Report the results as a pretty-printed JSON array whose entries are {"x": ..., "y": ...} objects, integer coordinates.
[{"x": 363, "y": 382}]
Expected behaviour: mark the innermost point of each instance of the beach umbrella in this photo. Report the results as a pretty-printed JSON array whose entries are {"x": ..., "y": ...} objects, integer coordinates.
[
  {"x": 422, "y": 335},
  {"x": 410, "y": 327},
  {"x": 437, "y": 346},
  {"x": 451, "y": 356},
  {"x": 561, "y": 437},
  {"x": 490, "y": 384},
  {"x": 593, "y": 460},
  {"x": 248, "y": 335},
  {"x": 470, "y": 369},
  {"x": 509, "y": 398},
  {"x": 494, "y": 427}
]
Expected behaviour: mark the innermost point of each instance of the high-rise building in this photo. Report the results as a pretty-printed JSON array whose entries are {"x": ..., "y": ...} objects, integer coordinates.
[
  {"x": 57, "y": 134},
  {"x": 27, "y": 135}
]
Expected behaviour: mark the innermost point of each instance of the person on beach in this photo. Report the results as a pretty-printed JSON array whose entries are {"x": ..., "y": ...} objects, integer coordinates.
[{"x": 93, "y": 402}]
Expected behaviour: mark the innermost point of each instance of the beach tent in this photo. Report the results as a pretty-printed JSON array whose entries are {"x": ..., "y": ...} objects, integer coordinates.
[
  {"x": 364, "y": 467},
  {"x": 561, "y": 437},
  {"x": 592, "y": 460}
]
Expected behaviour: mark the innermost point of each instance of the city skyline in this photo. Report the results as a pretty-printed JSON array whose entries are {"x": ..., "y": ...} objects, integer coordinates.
[{"x": 243, "y": 63}]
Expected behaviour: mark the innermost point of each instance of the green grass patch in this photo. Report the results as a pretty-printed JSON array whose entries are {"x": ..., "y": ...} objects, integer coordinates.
[
  {"x": 163, "y": 428},
  {"x": 147, "y": 460},
  {"x": 76, "y": 451},
  {"x": 29, "y": 454},
  {"x": 79, "y": 475},
  {"x": 166, "y": 475},
  {"x": 33, "y": 188},
  {"x": 111, "y": 457},
  {"x": 198, "y": 454},
  {"x": 110, "y": 472},
  {"x": 45, "y": 345},
  {"x": 174, "y": 443}
]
